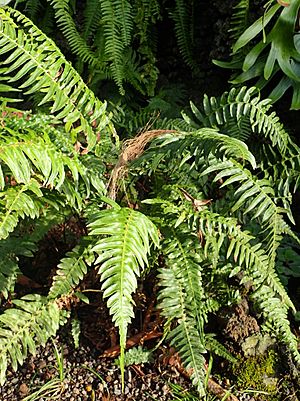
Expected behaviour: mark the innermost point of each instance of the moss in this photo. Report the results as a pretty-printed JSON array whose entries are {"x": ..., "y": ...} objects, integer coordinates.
[{"x": 258, "y": 374}]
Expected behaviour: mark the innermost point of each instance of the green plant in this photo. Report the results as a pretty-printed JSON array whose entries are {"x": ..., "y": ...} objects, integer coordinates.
[
  {"x": 215, "y": 213},
  {"x": 136, "y": 356},
  {"x": 258, "y": 374},
  {"x": 117, "y": 40},
  {"x": 276, "y": 53},
  {"x": 52, "y": 389}
]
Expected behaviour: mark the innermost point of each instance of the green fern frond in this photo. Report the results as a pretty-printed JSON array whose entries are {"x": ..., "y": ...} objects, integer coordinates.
[
  {"x": 239, "y": 104},
  {"x": 180, "y": 298},
  {"x": 182, "y": 18},
  {"x": 122, "y": 254},
  {"x": 276, "y": 316},
  {"x": 123, "y": 13},
  {"x": 18, "y": 202},
  {"x": 239, "y": 19},
  {"x": 114, "y": 46},
  {"x": 9, "y": 271},
  {"x": 75, "y": 331},
  {"x": 42, "y": 68},
  {"x": 204, "y": 142},
  {"x": 77, "y": 44},
  {"x": 244, "y": 251},
  {"x": 214, "y": 346},
  {"x": 33, "y": 7},
  {"x": 71, "y": 271},
  {"x": 258, "y": 194},
  {"x": 92, "y": 18},
  {"x": 31, "y": 322}
]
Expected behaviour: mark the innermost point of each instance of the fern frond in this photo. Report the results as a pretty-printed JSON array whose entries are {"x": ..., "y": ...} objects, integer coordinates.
[
  {"x": 276, "y": 316},
  {"x": 258, "y": 194},
  {"x": 239, "y": 104},
  {"x": 182, "y": 18},
  {"x": 18, "y": 202},
  {"x": 180, "y": 298},
  {"x": 204, "y": 142},
  {"x": 239, "y": 19},
  {"x": 33, "y": 7},
  {"x": 123, "y": 13},
  {"x": 32, "y": 321},
  {"x": 92, "y": 18},
  {"x": 217, "y": 348},
  {"x": 77, "y": 44},
  {"x": 122, "y": 254},
  {"x": 71, "y": 271},
  {"x": 42, "y": 68},
  {"x": 244, "y": 250},
  {"x": 9, "y": 271},
  {"x": 114, "y": 46}
]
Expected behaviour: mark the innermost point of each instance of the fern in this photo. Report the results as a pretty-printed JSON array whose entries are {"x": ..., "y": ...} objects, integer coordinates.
[
  {"x": 238, "y": 104},
  {"x": 182, "y": 18},
  {"x": 185, "y": 336},
  {"x": 239, "y": 19},
  {"x": 122, "y": 255},
  {"x": 45, "y": 70},
  {"x": 77, "y": 44},
  {"x": 9, "y": 271},
  {"x": 92, "y": 18},
  {"x": 70, "y": 271},
  {"x": 33, "y": 7},
  {"x": 114, "y": 45},
  {"x": 34, "y": 319}
]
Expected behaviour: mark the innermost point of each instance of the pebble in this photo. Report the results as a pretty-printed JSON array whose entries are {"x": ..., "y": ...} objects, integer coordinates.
[{"x": 80, "y": 384}]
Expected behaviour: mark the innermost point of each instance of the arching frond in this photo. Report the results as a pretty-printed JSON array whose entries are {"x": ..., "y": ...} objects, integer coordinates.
[
  {"x": 239, "y": 104},
  {"x": 42, "y": 68}
]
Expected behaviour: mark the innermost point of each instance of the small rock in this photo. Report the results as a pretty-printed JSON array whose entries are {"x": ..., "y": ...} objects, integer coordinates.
[
  {"x": 42, "y": 364},
  {"x": 23, "y": 389}
]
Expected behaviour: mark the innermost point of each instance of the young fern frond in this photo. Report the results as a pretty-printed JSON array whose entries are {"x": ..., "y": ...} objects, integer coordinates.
[
  {"x": 214, "y": 346},
  {"x": 123, "y": 242},
  {"x": 33, "y": 321},
  {"x": 42, "y": 68}
]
